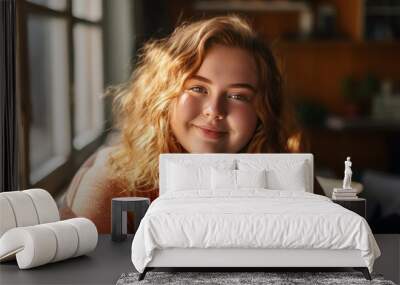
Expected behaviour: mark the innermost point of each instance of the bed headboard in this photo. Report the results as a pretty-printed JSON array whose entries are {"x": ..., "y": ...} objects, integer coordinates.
[{"x": 209, "y": 158}]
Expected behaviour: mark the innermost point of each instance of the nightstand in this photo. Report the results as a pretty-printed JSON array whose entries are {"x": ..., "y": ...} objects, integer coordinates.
[
  {"x": 119, "y": 209},
  {"x": 358, "y": 205}
]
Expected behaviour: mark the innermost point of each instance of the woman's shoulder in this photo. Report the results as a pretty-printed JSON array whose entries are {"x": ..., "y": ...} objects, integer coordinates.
[
  {"x": 93, "y": 185},
  {"x": 95, "y": 168},
  {"x": 102, "y": 155}
]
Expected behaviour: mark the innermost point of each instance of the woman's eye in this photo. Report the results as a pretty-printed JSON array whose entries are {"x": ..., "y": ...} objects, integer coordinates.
[
  {"x": 198, "y": 89},
  {"x": 238, "y": 97}
]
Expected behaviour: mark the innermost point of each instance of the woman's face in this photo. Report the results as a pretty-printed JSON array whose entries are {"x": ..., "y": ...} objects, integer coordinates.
[{"x": 215, "y": 112}]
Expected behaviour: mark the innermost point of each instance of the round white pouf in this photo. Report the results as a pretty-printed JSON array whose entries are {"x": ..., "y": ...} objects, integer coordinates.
[
  {"x": 7, "y": 218},
  {"x": 40, "y": 244},
  {"x": 33, "y": 246},
  {"x": 23, "y": 208},
  {"x": 87, "y": 233},
  {"x": 46, "y": 207},
  {"x": 67, "y": 240}
]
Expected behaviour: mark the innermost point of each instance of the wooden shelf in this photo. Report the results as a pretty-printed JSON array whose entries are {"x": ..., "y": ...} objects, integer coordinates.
[
  {"x": 250, "y": 6},
  {"x": 341, "y": 42},
  {"x": 340, "y": 124}
]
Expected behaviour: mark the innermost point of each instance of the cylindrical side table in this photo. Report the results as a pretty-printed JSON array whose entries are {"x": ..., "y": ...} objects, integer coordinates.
[{"x": 119, "y": 209}]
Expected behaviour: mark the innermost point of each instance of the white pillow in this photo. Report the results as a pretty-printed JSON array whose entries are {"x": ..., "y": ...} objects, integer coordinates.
[
  {"x": 236, "y": 179},
  {"x": 281, "y": 175},
  {"x": 251, "y": 178},
  {"x": 191, "y": 176},
  {"x": 293, "y": 179},
  {"x": 223, "y": 179}
]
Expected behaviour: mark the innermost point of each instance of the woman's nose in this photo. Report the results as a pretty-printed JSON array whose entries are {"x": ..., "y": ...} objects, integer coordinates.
[{"x": 215, "y": 107}]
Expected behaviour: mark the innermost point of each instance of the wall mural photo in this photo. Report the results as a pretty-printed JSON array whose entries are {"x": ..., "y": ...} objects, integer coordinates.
[{"x": 212, "y": 86}]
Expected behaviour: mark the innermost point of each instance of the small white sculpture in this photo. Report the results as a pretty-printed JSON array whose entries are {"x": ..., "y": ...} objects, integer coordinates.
[{"x": 347, "y": 174}]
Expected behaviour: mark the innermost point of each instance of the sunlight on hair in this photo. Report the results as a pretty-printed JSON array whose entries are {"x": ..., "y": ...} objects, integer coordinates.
[{"x": 293, "y": 143}]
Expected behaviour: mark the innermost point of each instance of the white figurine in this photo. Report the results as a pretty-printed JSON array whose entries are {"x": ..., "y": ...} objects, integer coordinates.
[{"x": 347, "y": 174}]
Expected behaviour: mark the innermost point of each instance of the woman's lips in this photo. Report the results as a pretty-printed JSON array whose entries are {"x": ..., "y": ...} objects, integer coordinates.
[{"x": 211, "y": 134}]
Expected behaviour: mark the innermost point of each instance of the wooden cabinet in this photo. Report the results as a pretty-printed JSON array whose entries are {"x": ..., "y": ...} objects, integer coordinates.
[{"x": 358, "y": 206}]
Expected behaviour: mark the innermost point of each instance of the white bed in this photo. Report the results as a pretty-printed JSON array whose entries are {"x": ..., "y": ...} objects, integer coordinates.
[{"x": 237, "y": 215}]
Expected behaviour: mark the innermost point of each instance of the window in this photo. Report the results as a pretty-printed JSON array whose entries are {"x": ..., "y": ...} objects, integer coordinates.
[
  {"x": 60, "y": 62},
  {"x": 88, "y": 84},
  {"x": 48, "y": 72},
  {"x": 60, "y": 5},
  {"x": 89, "y": 9}
]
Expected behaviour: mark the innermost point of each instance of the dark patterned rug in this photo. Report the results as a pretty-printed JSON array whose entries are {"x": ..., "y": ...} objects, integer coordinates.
[{"x": 229, "y": 278}]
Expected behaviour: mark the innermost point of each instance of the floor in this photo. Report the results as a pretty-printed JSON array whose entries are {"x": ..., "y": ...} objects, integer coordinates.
[
  {"x": 389, "y": 262},
  {"x": 102, "y": 266},
  {"x": 110, "y": 259}
]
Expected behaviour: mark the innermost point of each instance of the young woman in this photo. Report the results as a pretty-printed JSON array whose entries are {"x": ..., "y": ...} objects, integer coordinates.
[{"x": 211, "y": 86}]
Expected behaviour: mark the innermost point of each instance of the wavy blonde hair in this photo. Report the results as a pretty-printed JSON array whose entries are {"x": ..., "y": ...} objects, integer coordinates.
[{"x": 142, "y": 105}]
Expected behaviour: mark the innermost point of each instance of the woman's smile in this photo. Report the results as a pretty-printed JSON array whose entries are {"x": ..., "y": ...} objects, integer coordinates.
[{"x": 210, "y": 134}]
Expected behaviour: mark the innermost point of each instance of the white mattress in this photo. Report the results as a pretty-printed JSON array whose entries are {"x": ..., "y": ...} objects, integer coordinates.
[{"x": 253, "y": 218}]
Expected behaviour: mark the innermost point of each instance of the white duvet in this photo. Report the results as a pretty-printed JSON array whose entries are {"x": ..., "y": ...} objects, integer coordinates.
[{"x": 253, "y": 218}]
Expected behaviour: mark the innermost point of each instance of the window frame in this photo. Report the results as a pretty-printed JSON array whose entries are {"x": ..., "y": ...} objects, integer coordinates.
[{"x": 60, "y": 177}]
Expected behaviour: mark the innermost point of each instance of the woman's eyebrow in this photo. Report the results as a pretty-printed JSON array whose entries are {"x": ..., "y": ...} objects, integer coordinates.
[{"x": 242, "y": 85}]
